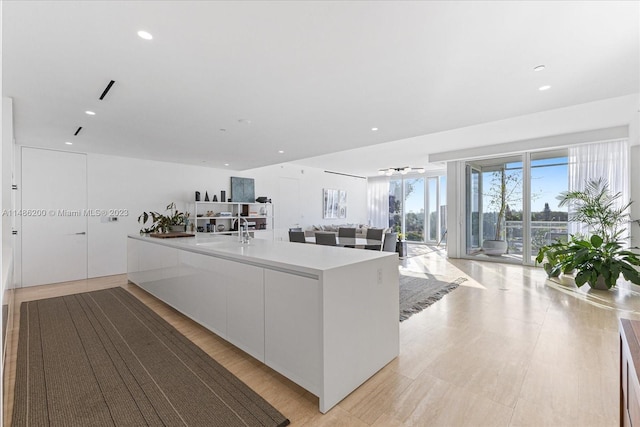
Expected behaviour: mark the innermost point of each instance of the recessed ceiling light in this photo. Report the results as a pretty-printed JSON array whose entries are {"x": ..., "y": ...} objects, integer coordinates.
[
  {"x": 545, "y": 87},
  {"x": 144, "y": 35},
  {"x": 223, "y": 130},
  {"x": 538, "y": 68},
  {"x": 374, "y": 129},
  {"x": 281, "y": 151},
  {"x": 245, "y": 121},
  {"x": 90, "y": 113},
  {"x": 69, "y": 143},
  {"x": 226, "y": 164}
]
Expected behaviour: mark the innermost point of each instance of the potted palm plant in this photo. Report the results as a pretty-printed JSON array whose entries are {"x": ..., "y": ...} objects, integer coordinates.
[
  {"x": 173, "y": 221},
  {"x": 601, "y": 258}
]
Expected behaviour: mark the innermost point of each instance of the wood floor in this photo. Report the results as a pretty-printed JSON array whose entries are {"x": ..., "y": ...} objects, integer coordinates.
[{"x": 506, "y": 348}]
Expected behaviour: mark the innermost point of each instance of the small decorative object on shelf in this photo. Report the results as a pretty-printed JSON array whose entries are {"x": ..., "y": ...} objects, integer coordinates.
[
  {"x": 222, "y": 217},
  {"x": 206, "y": 196},
  {"x": 263, "y": 199},
  {"x": 197, "y": 196},
  {"x": 223, "y": 195},
  {"x": 215, "y": 198}
]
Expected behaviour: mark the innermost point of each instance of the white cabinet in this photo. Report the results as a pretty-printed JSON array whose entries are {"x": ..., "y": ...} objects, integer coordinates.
[
  {"x": 223, "y": 217},
  {"x": 245, "y": 307},
  {"x": 201, "y": 277},
  {"x": 292, "y": 328}
]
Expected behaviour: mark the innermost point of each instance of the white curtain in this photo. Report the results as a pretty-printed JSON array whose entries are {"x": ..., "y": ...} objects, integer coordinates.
[
  {"x": 378, "y": 201},
  {"x": 608, "y": 160}
]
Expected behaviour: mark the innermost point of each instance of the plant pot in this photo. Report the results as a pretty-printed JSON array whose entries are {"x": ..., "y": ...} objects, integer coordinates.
[
  {"x": 494, "y": 247},
  {"x": 599, "y": 284},
  {"x": 401, "y": 248},
  {"x": 177, "y": 228}
]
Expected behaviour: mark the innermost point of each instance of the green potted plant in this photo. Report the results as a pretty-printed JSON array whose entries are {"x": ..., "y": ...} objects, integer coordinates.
[
  {"x": 173, "y": 221},
  {"x": 600, "y": 263},
  {"x": 600, "y": 259},
  {"x": 555, "y": 259}
]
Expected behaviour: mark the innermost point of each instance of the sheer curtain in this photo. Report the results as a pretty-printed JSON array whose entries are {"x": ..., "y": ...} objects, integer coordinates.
[
  {"x": 608, "y": 160},
  {"x": 378, "y": 200}
]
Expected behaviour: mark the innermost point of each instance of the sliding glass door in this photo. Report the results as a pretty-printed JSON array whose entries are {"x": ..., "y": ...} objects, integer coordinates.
[
  {"x": 511, "y": 206},
  {"x": 494, "y": 207}
]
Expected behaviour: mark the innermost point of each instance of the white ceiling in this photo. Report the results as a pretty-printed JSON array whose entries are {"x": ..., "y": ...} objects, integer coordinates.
[{"x": 313, "y": 78}]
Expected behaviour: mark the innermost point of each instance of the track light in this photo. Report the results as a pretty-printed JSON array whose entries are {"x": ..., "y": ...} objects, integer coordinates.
[{"x": 402, "y": 171}]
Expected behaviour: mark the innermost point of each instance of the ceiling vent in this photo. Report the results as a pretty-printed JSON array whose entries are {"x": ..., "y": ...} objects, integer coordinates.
[
  {"x": 78, "y": 131},
  {"x": 106, "y": 90}
]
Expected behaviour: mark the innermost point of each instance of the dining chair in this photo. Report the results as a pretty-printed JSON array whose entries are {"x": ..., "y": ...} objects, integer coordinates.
[
  {"x": 348, "y": 232},
  {"x": 390, "y": 240},
  {"x": 297, "y": 236},
  {"x": 295, "y": 229},
  {"x": 374, "y": 234},
  {"x": 327, "y": 239}
]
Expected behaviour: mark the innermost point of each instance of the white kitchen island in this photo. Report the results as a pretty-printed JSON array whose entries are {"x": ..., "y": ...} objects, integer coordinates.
[{"x": 324, "y": 317}]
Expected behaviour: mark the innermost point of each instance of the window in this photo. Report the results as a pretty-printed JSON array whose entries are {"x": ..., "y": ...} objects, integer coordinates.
[{"x": 417, "y": 207}]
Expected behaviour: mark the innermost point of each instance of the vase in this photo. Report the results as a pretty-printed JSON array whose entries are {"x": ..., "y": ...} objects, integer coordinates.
[
  {"x": 206, "y": 196},
  {"x": 223, "y": 196},
  {"x": 494, "y": 247},
  {"x": 197, "y": 196}
]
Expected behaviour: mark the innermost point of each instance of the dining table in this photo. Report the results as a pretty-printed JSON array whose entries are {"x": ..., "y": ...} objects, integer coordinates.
[{"x": 358, "y": 242}]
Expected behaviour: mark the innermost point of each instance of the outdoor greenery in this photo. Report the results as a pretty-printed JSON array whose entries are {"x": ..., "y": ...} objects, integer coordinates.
[{"x": 162, "y": 223}]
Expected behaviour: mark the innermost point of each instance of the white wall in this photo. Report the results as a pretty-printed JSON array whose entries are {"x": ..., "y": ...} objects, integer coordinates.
[
  {"x": 142, "y": 185},
  {"x": 311, "y": 181},
  {"x": 6, "y": 181}
]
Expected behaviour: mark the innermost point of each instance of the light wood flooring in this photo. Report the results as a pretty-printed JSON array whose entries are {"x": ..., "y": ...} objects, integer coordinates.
[{"x": 507, "y": 348}]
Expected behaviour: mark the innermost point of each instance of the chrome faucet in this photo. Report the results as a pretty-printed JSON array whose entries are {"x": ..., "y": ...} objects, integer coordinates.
[{"x": 243, "y": 231}]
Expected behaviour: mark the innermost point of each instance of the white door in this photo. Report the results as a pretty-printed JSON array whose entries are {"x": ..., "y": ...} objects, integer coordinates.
[{"x": 54, "y": 225}]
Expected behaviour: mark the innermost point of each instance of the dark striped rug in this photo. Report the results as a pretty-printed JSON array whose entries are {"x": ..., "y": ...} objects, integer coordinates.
[{"x": 103, "y": 358}]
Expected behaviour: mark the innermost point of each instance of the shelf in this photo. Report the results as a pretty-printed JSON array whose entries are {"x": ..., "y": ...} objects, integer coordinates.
[
  {"x": 216, "y": 217},
  {"x": 235, "y": 217},
  {"x": 260, "y": 214}
]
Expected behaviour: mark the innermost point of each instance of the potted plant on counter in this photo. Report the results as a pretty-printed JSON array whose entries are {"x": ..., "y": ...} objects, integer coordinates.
[
  {"x": 174, "y": 221},
  {"x": 601, "y": 258}
]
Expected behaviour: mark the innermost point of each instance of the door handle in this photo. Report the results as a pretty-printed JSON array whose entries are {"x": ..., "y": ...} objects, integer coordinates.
[{"x": 84, "y": 232}]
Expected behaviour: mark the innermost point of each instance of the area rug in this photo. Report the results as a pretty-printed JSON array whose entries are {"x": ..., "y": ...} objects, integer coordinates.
[
  {"x": 103, "y": 358},
  {"x": 418, "y": 293}
]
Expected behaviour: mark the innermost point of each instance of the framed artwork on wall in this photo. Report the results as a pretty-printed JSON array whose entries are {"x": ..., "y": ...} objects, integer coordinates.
[
  {"x": 242, "y": 190},
  {"x": 334, "y": 204}
]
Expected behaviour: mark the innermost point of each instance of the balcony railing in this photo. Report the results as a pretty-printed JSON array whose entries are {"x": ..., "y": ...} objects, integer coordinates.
[{"x": 542, "y": 233}]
